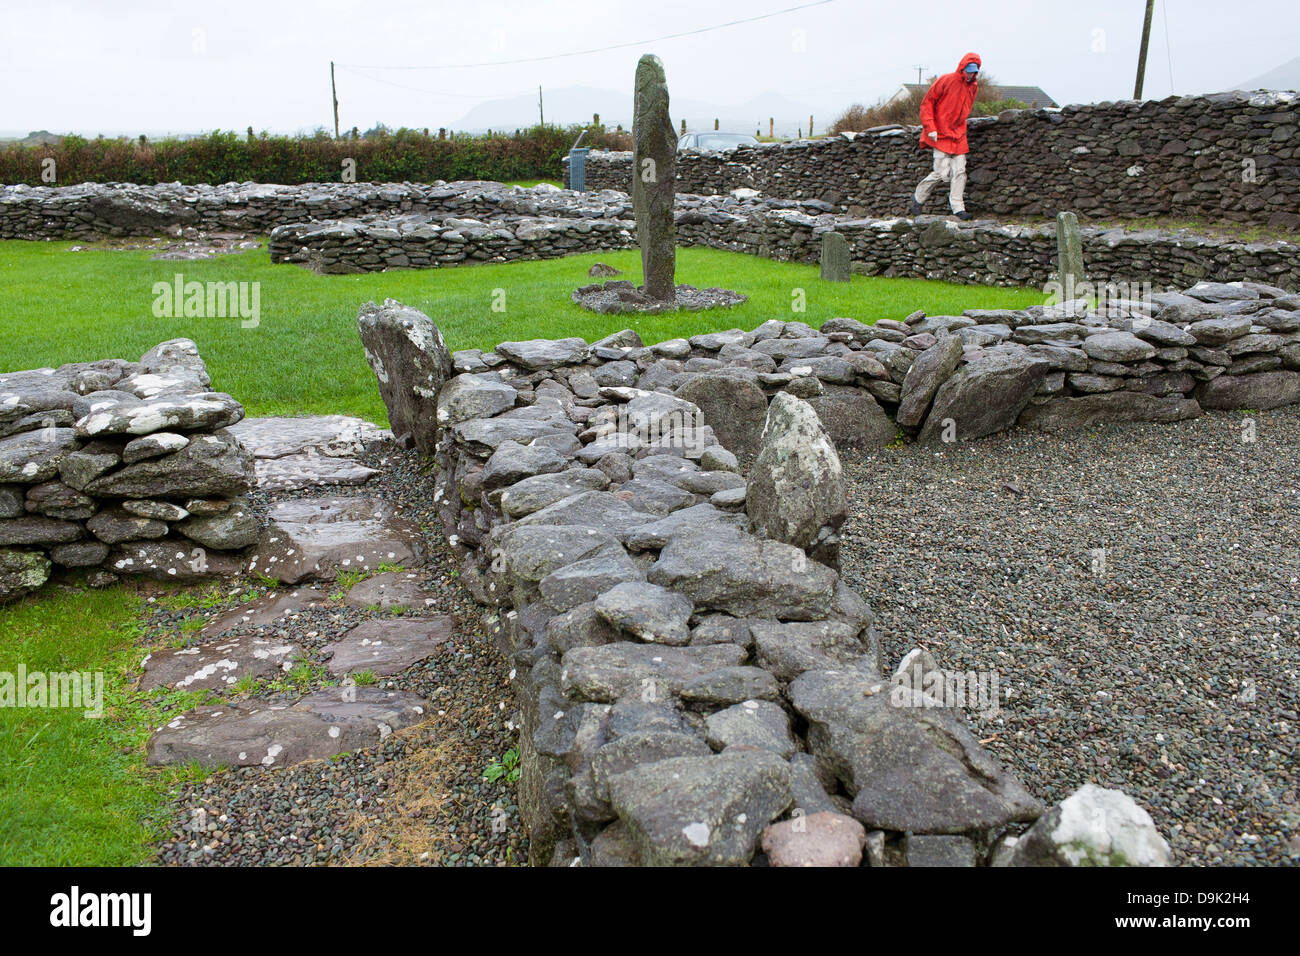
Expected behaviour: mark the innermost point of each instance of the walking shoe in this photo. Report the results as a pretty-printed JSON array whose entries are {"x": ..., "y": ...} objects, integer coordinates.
[
  {"x": 915, "y": 208},
  {"x": 964, "y": 216}
]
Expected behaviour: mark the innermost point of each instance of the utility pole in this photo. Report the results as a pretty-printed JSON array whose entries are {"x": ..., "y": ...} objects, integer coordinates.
[
  {"x": 541, "y": 117},
  {"x": 918, "y": 74},
  {"x": 1142, "y": 53},
  {"x": 335, "y": 94}
]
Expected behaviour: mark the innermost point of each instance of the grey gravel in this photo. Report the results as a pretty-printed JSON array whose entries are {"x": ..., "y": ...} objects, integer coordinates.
[{"x": 1171, "y": 673}]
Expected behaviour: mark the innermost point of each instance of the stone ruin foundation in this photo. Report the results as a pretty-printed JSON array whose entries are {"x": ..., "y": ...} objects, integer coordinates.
[{"x": 698, "y": 684}]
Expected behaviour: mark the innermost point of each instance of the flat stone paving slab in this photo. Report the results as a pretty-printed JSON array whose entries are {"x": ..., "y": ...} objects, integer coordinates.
[
  {"x": 294, "y": 472},
  {"x": 386, "y": 647},
  {"x": 315, "y": 538},
  {"x": 389, "y": 591},
  {"x": 278, "y": 734},
  {"x": 218, "y": 664},
  {"x": 330, "y": 435}
]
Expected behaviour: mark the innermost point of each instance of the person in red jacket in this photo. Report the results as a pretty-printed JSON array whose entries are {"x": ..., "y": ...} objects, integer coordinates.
[{"x": 944, "y": 110}]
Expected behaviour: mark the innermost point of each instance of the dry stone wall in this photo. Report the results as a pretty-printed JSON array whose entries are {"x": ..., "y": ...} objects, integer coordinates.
[
  {"x": 689, "y": 687},
  {"x": 369, "y": 227},
  {"x": 123, "y": 468},
  {"x": 1231, "y": 156},
  {"x": 420, "y": 241},
  {"x": 96, "y": 210},
  {"x": 980, "y": 252},
  {"x": 695, "y": 690}
]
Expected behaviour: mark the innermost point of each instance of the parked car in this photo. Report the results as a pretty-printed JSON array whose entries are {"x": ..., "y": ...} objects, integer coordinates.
[{"x": 713, "y": 140}]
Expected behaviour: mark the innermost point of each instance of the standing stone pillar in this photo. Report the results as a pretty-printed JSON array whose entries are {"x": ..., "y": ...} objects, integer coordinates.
[
  {"x": 654, "y": 180},
  {"x": 835, "y": 263},
  {"x": 1069, "y": 254}
]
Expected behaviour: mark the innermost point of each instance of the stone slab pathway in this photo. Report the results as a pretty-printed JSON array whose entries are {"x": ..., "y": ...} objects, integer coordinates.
[
  {"x": 252, "y": 733},
  {"x": 265, "y": 611},
  {"x": 218, "y": 664},
  {"x": 315, "y": 538},
  {"x": 294, "y": 453},
  {"x": 390, "y": 591},
  {"x": 385, "y": 647},
  {"x": 335, "y": 436}
]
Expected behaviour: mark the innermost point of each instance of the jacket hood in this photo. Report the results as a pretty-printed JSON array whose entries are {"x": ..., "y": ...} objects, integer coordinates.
[{"x": 968, "y": 58}]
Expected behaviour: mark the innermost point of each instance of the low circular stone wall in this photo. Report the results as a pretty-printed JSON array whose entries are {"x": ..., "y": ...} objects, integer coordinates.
[
  {"x": 697, "y": 691},
  {"x": 97, "y": 210},
  {"x": 979, "y": 252}
]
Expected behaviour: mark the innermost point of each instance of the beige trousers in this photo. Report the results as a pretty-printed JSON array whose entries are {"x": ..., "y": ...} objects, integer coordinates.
[{"x": 947, "y": 169}]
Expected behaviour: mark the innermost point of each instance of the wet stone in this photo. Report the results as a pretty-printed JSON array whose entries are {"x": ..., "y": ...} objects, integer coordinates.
[
  {"x": 218, "y": 664},
  {"x": 815, "y": 839},
  {"x": 751, "y": 723},
  {"x": 389, "y": 591},
  {"x": 261, "y": 733},
  {"x": 385, "y": 647},
  {"x": 315, "y": 538}
]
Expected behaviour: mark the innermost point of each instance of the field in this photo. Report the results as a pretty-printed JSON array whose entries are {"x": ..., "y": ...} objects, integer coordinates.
[{"x": 304, "y": 357}]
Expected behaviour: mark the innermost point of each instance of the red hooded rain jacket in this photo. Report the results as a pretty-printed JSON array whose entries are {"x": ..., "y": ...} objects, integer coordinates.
[{"x": 945, "y": 108}]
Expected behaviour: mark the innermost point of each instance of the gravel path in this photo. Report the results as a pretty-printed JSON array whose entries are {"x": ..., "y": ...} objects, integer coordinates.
[
  {"x": 1165, "y": 665},
  {"x": 420, "y": 796}
]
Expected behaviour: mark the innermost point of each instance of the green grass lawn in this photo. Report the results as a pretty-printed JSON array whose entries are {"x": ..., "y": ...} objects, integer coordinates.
[
  {"x": 75, "y": 790},
  {"x": 305, "y": 356}
]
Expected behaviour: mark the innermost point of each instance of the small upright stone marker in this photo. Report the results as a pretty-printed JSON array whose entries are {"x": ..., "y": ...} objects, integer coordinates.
[
  {"x": 654, "y": 180},
  {"x": 1069, "y": 253},
  {"x": 835, "y": 258}
]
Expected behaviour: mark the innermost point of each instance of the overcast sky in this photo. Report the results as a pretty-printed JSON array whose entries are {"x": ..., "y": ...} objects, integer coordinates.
[{"x": 92, "y": 66}]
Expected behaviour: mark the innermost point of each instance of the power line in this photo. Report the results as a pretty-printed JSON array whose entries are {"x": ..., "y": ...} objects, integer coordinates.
[
  {"x": 603, "y": 49},
  {"x": 420, "y": 89}
]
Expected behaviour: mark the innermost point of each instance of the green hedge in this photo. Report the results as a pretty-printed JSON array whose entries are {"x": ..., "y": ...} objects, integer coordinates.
[{"x": 384, "y": 156}]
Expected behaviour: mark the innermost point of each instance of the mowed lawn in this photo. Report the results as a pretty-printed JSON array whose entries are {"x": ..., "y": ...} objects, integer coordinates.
[{"x": 304, "y": 356}]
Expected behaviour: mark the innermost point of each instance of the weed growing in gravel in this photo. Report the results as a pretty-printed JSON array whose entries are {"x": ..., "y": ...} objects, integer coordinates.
[
  {"x": 347, "y": 579},
  {"x": 364, "y": 678},
  {"x": 244, "y": 686},
  {"x": 305, "y": 677},
  {"x": 507, "y": 767}
]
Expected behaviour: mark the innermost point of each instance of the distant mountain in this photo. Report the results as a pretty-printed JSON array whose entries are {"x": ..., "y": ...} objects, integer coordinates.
[
  {"x": 576, "y": 104},
  {"x": 1284, "y": 77},
  {"x": 40, "y": 137}
]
